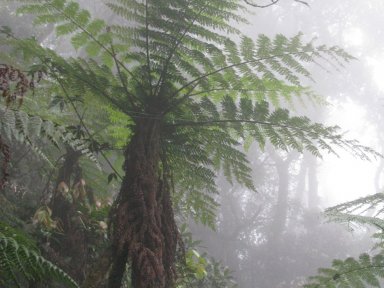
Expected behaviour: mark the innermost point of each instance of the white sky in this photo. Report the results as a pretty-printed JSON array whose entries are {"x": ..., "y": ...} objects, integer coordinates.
[{"x": 347, "y": 178}]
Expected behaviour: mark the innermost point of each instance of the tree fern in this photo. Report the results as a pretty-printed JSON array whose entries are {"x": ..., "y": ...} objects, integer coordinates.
[{"x": 193, "y": 94}]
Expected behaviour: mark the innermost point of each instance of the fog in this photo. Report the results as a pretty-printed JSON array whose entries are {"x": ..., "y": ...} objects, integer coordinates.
[{"x": 278, "y": 236}]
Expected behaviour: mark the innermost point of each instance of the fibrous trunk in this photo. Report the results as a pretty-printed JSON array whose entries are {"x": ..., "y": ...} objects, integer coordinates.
[{"x": 144, "y": 230}]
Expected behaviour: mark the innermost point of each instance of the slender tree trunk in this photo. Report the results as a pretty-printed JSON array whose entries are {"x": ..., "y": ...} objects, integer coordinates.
[
  {"x": 72, "y": 242},
  {"x": 143, "y": 226},
  {"x": 302, "y": 180},
  {"x": 378, "y": 174},
  {"x": 281, "y": 208},
  {"x": 5, "y": 151},
  {"x": 313, "y": 184}
]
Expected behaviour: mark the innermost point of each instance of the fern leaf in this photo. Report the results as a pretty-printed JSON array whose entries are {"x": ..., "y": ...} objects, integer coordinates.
[
  {"x": 27, "y": 263},
  {"x": 354, "y": 273}
]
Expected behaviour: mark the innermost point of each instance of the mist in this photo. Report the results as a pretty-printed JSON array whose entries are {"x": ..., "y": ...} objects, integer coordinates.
[{"x": 279, "y": 236}]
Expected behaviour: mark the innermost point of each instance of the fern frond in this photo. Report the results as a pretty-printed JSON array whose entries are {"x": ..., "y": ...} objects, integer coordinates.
[
  {"x": 31, "y": 129},
  {"x": 20, "y": 264},
  {"x": 372, "y": 203},
  {"x": 254, "y": 119},
  {"x": 366, "y": 271},
  {"x": 170, "y": 42}
]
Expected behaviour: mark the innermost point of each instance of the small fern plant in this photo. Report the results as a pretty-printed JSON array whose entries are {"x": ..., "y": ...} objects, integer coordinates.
[
  {"x": 21, "y": 266},
  {"x": 368, "y": 269}
]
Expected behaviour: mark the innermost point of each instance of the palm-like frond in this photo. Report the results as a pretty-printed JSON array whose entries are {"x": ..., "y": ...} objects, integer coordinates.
[{"x": 184, "y": 44}]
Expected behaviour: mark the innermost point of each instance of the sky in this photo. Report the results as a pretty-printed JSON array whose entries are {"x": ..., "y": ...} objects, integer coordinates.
[{"x": 346, "y": 178}]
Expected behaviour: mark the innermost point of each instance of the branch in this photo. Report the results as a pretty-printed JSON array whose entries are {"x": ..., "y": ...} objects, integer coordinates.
[
  {"x": 147, "y": 48},
  {"x": 302, "y": 2},
  {"x": 173, "y": 51},
  {"x": 232, "y": 90},
  {"x": 273, "y": 2},
  {"x": 129, "y": 95},
  {"x": 97, "y": 42},
  {"x": 84, "y": 126},
  {"x": 224, "y": 121}
]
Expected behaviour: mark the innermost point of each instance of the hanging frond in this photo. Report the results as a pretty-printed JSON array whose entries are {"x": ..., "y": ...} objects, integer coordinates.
[
  {"x": 365, "y": 211},
  {"x": 255, "y": 119},
  {"x": 210, "y": 135},
  {"x": 31, "y": 130},
  {"x": 374, "y": 204}
]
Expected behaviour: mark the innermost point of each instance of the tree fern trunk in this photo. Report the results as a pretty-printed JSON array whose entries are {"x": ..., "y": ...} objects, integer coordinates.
[{"x": 143, "y": 223}]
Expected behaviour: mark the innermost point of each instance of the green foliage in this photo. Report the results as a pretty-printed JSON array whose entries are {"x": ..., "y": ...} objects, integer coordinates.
[
  {"x": 366, "y": 271},
  {"x": 18, "y": 235},
  {"x": 199, "y": 270},
  {"x": 183, "y": 44},
  {"x": 18, "y": 125},
  {"x": 20, "y": 265},
  {"x": 119, "y": 122},
  {"x": 206, "y": 272}
]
